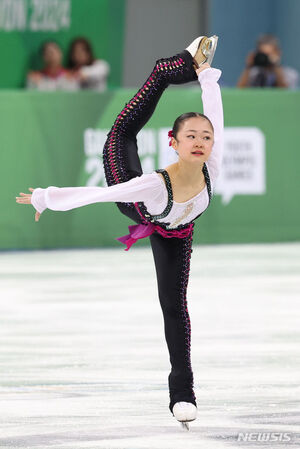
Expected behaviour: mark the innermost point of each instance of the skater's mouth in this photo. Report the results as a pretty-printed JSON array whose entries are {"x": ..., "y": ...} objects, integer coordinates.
[{"x": 197, "y": 152}]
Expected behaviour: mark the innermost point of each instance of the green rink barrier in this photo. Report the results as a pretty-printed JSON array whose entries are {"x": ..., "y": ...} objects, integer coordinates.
[{"x": 56, "y": 139}]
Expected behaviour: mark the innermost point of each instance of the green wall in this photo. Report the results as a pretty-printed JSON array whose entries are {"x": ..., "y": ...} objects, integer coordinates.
[
  {"x": 42, "y": 144},
  {"x": 25, "y": 24}
]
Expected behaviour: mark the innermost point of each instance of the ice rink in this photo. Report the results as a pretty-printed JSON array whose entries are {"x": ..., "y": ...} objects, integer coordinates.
[{"x": 84, "y": 363}]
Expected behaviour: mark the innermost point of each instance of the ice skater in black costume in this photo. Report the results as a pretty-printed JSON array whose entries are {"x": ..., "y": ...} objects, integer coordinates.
[{"x": 165, "y": 203}]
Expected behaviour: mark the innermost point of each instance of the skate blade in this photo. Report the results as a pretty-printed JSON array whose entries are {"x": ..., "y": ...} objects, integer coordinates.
[
  {"x": 206, "y": 51},
  {"x": 185, "y": 425},
  {"x": 210, "y": 52}
]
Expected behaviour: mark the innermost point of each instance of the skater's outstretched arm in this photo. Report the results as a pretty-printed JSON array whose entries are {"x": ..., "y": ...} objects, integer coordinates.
[
  {"x": 137, "y": 189},
  {"x": 213, "y": 109}
]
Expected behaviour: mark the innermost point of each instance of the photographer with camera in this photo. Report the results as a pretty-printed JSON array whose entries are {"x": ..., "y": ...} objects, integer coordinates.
[{"x": 263, "y": 67}]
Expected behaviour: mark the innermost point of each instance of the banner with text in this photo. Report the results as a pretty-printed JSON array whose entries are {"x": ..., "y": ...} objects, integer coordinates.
[
  {"x": 26, "y": 24},
  {"x": 57, "y": 139}
]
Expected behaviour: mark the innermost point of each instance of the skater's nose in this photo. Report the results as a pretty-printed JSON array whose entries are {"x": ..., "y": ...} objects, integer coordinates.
[{"x": 198, "y": 142}]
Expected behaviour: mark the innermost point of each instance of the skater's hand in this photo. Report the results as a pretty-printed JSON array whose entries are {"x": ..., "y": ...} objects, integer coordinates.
[
  {"x": 26, "y": 199},
  {"x": 250, "y": 59},
  {"x": 203, "y": 67}
]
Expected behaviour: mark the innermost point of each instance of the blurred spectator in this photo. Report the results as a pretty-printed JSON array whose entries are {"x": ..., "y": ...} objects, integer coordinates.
[
  {"x": 90, "y": 72},
  {"x": 53, "y": 76},
  {"x": 263, "y": 68}
]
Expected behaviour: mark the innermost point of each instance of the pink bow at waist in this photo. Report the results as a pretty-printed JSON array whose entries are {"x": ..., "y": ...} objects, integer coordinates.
[{"x": 140, "y": 231}]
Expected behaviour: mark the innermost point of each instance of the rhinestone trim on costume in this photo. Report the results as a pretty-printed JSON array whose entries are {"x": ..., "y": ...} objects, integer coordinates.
[
  {"x": 188, "y": 209},
  {"x": 167, "y": 225},
  {"x": 187, "y": 251},
  {"x": 209, "y": 191},
  {"x": 170, "y": 195}
]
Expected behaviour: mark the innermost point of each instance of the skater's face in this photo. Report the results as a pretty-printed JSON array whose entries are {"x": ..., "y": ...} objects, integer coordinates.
[{"x": 194, "y": 140}]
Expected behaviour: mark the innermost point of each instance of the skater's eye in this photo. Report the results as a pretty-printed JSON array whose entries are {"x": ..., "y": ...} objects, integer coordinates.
[
  {"x": 207, "y": 137},
  {"x": 191, "y": 135}
]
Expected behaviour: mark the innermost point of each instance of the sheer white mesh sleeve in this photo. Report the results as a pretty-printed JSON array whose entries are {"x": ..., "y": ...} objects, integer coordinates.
[
  {"x": 140, "y": 188},
  {"x": 213, "y": 109}
]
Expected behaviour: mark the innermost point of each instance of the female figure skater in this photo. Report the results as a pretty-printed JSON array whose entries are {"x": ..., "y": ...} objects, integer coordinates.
[{"x": 166, "y": 202}]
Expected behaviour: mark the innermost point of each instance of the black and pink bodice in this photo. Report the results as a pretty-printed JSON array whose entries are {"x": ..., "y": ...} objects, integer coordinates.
[{"x": 155, "y": 223}]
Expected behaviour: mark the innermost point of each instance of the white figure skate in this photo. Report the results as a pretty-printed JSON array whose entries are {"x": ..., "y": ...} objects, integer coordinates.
[
  {"x": 185, "y": 412},
  {"x": 203, "y": 49}
]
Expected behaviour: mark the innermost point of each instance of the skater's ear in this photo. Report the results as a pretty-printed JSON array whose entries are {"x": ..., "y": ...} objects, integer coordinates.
[{"x": 174, "y": 143}]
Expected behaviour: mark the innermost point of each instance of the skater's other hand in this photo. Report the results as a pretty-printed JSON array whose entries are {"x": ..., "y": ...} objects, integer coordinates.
[
  {"x": 26, "y": 199},
  {"x": 203, "y": 67}
]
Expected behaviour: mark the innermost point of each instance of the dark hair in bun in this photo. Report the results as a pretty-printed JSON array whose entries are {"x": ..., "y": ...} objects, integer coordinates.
[{"x": 179, "y": 121}]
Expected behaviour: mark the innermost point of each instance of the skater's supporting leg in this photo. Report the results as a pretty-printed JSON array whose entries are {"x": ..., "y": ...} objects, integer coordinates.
[{"x": 172, "y": 262}]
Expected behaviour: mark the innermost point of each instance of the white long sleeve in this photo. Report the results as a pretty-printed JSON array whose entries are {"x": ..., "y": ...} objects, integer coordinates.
[
  {"x": 213, "y": 109},
  {"x": 98, "y": 69},
  {"x": 139, "y": 188},
  {"x": 96, "y": 75}
]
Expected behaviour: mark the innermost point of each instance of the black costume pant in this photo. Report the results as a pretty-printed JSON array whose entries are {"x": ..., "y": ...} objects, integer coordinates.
[{"x": 171, "y": 255}]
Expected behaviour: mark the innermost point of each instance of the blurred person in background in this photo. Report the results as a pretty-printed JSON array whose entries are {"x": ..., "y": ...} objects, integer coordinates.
[
  {"x": 263, "y": 67},
  {"x": 91, "y": 73},
  {"x": 53, "y": 76}
]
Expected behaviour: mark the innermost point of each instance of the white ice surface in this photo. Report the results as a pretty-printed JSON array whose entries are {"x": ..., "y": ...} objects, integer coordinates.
[{"x": 84, "y": 363}]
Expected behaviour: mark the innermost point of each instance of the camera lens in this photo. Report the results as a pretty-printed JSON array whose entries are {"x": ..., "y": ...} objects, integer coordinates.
[{"x": 261, "y": 60}]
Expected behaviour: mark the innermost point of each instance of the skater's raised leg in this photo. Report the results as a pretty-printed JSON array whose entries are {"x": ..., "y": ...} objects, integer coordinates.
[{"x": 120, "y": 155}]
